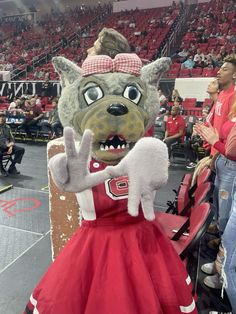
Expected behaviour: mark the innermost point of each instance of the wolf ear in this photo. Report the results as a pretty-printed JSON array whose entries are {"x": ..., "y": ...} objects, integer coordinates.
[
  {"x": 68, "y": 71},
  {"x": 151, "y": 73}
]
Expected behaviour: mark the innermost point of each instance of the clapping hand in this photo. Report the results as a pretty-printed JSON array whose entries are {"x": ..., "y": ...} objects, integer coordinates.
[{"x": 209, "y": 134}]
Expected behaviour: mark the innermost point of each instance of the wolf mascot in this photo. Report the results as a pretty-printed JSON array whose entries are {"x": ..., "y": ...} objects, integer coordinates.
[{"x": 118, "y": 261}]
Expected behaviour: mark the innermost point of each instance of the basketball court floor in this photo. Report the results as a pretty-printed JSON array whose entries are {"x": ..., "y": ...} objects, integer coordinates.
[{"x": 25, "y": 250}]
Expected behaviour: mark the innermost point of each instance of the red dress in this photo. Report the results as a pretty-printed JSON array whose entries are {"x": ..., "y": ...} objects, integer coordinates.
[{"x": 115, "y": 264}]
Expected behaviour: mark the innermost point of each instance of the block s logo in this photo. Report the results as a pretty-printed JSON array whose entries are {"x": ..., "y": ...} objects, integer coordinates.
[{"x": 117, "y": 188}]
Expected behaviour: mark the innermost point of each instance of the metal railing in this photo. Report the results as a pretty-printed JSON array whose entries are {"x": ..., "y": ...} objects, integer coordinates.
[{"x": 178, "y": 30}]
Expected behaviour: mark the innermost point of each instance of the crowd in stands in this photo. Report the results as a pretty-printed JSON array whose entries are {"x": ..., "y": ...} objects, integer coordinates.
[
  {"x": 145, "y": 30},
  {"x": 175, "y": 108},
  {"x": 31, "y": 115},
  {"x": 24, "y": 41},
  {"x": 210, "y": 37}
]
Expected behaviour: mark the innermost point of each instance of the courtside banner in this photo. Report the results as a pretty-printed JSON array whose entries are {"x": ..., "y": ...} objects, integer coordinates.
[{"x": 19, "y": 88}]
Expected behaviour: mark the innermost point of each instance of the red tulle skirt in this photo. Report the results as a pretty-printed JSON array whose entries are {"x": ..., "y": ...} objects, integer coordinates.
[{"x": 121, "y": 265}]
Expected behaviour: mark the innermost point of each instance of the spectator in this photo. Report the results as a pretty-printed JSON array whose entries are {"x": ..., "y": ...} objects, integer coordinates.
[
  {"x": 205, "y": 112},
  {"x": 228, "y": 238},
  {"x": 223, "y": 121},
  {"x": 7, "y": 146},
  {"x": 175, "y": 127},
  {"x": 37, "y": 100},
  {"x": 195, "y": 141},
  {"x": 183, "y": 54},
  {"x": 45, "y": 93},
  {"x": 46, "y": 88},
  {"x": 225, "y": 185},
  {"x": 209, "y": 63},
  {"x": 189, "y": 63},
  {"x": 14, "y": 106},
  {"x": 53, "y": 124},
  {"x": 199, "y": 56},
  {"x": 178, "y": 104},
  {"x": 33, "y": 114},
  {"x": 175, "y": 94},
  {"x": 212, "y": 54}
]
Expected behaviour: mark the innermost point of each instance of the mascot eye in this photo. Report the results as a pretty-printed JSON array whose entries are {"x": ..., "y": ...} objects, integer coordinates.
[
  {"x": 92, "y": 94},
  {"x": 131, "y": 92}
]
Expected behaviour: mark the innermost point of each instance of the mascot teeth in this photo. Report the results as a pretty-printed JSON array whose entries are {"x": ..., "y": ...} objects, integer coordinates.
[{"x": 114, "y": 142}]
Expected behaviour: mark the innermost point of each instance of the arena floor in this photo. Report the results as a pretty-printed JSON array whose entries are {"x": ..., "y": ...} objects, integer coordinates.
[{"x": 25, "y": 240}]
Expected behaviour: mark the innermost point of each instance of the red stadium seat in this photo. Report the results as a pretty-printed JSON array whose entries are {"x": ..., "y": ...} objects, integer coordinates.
[
  {"x": 175, "y": 66},
  {"x": 207, "y": 102},
  {"x": 184, "y": 73},
  {"x": 191, "y": 101},
  {"x": 208, "y": 72},
  {"x": 187, "y": 239},
  {"x": 173, "y": 73},
  {"x": 196, "y": 72},
  {"x": 204, "y": 176}
]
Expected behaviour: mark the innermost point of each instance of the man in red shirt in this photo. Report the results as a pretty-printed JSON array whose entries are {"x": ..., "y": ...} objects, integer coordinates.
[
  {"x": 175, "y": 127},
  {"x": 226, "y": 77},
  {"x": 224, "y": 181}
]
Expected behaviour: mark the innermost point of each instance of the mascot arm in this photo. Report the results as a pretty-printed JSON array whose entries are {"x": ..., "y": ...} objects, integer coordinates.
[
  {"x": 146, "y": 165},
  {"x": 70, "y": 170}
]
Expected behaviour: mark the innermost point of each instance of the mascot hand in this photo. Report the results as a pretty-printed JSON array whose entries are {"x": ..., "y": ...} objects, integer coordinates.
[
  {"x": 146, "y": 165},
  {"x": 70, "y": 169}
]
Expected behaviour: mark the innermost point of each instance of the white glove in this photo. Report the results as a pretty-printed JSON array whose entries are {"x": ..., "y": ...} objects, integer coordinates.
[
  {"x": 146, "y": 165},
  {"x": 70, "y": 170}
]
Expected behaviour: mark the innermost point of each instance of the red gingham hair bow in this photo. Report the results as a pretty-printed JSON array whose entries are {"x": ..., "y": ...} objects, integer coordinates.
[{"x": 123, "y": 62}]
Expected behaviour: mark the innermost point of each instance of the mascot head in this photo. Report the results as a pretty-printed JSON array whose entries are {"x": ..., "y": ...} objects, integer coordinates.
[{"x": 115, "y": 98}]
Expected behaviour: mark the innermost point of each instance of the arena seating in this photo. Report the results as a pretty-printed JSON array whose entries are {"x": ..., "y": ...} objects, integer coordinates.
[
  {"x": 146, "y": 30},
  {"x": 33, "y": 41},
  {"x": 212, "y": 29}
]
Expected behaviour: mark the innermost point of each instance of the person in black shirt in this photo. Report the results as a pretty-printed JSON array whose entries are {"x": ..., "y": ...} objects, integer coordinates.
[{"x": 7, "y": 146}]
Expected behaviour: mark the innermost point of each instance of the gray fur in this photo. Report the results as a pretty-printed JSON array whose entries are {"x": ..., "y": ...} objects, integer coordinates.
[
  {"x": 67, "y": 70},
  {"x": 112, "y": 83},
  {"x": 70, "y": 169},
  {"x": 151, "y": 73}
]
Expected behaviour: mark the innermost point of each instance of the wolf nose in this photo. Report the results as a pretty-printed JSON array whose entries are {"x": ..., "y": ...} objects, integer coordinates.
[{"x": 117, "y": 109}]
